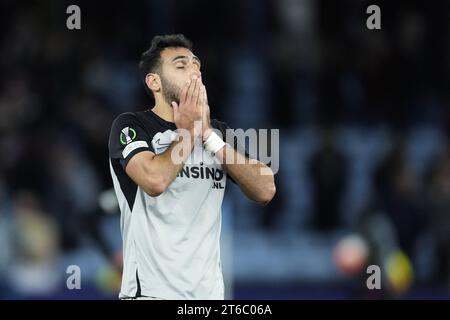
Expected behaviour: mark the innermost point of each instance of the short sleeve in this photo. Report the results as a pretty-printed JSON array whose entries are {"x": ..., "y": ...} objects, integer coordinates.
[{"x": 127, "y": 138}]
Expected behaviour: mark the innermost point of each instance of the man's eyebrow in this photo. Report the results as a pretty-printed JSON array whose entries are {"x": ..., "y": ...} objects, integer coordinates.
[
  {"x": 185, "y": 57},
  {"x": 179, "y": 57}
]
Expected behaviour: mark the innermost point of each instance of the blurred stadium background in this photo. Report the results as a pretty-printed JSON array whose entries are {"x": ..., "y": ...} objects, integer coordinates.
[{"x": 364, "y": 121}]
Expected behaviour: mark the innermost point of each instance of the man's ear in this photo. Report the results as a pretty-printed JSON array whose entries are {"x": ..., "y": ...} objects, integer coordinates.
[{"x": 153, "y": 82}]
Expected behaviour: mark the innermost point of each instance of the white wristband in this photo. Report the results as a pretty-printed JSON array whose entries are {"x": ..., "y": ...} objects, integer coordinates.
[{"x": 213, "y": 143}]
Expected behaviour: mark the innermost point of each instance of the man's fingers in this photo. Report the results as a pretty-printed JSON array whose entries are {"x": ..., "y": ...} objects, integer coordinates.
[
  {"x": 205, "y": 96},
  {"x": 194, "y": 100},
  {"x": 201, "y": 95},
  {"x": 198, "y": 91},
  {"x": 175, "y": 107},
  {"x": 191, "y": 90},
  {"x": 184, "y": 92}
]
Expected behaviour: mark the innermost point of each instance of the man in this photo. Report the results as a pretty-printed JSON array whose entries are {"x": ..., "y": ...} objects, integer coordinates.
[{"x": 170, "y": 184}]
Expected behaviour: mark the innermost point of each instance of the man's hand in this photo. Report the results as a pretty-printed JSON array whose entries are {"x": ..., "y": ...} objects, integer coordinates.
[
  {"x": 206, "y": 121},
  {"x": 191, "y": 104}
]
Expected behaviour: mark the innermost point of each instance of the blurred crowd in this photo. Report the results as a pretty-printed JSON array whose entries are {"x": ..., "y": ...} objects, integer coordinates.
[{"x": 364, "y": 121}]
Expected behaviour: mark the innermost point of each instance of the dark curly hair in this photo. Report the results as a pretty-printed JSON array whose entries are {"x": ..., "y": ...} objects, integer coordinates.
[{"x": 151, "y": 58}]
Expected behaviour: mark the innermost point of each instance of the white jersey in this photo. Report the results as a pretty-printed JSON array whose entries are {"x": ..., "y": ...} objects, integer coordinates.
[{"x": 170, "y": 242}]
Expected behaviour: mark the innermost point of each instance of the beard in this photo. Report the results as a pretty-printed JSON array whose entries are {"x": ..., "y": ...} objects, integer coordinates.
[{"x": 170, "y": 91}]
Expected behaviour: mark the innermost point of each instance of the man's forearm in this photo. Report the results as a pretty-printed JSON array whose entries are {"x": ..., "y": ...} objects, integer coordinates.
[
  {"x": 254, "y": 178},
  {"x": 169, "y": 163}
]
